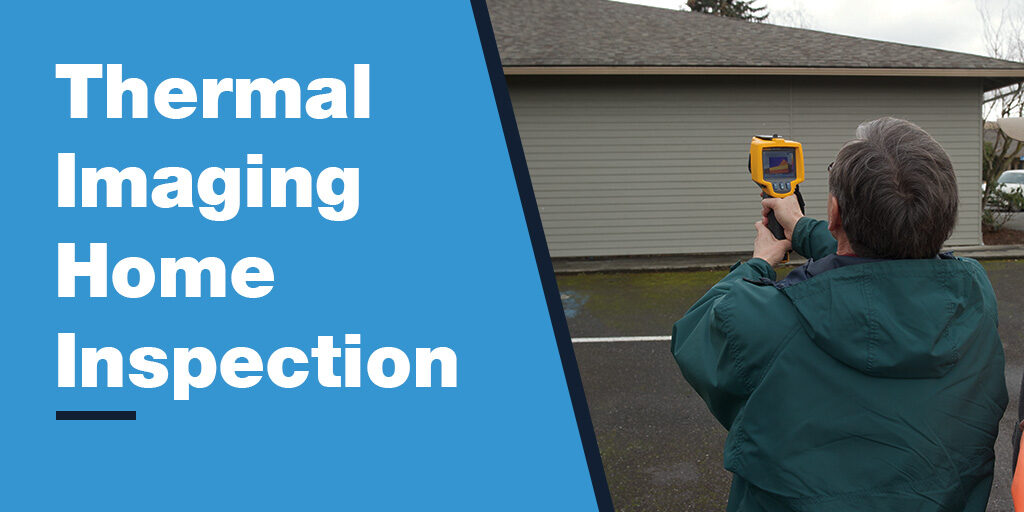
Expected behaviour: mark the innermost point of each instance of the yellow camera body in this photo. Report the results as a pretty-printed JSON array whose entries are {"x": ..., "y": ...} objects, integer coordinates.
[{"x": 776, "y": 164}]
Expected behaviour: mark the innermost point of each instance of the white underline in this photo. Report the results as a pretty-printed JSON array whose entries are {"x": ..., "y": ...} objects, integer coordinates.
[{"x": 622, "y": 338}]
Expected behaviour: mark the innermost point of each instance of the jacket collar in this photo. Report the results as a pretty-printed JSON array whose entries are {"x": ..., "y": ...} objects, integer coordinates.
[{"x": 831, "y": 262}]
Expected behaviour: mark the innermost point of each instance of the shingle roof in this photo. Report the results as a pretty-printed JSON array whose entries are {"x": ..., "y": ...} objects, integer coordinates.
[{"x": 607, "y": 33}]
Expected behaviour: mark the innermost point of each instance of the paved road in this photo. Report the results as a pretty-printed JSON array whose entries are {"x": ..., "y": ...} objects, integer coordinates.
[
  {"x": 1016, "y": 222},
  {"x": 661, "y": 449}
]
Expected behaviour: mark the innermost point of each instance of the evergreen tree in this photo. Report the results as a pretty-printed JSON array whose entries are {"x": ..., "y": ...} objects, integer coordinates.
[{"x": 742, "y": 9}]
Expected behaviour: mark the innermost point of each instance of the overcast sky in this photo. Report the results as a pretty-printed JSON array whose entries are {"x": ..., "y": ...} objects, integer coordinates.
[{"x": 946, "y": 24}]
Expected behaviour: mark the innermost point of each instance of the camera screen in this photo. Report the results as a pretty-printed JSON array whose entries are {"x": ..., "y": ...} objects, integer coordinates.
[{"x": 779, "y": 164}]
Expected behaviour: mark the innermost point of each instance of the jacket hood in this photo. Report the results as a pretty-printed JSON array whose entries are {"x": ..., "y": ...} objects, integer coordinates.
[{"x": 895, "y": 318}]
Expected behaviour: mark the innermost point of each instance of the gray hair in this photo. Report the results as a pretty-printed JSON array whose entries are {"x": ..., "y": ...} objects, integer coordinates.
[{"x": 896, "y": 191}]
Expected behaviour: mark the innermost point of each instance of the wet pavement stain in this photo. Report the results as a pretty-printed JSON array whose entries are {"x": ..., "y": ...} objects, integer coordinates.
[{"x": 572, "y": 303}]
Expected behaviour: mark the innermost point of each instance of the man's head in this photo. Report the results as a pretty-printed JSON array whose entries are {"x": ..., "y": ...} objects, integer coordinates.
[{"x": 893, "y": 191}]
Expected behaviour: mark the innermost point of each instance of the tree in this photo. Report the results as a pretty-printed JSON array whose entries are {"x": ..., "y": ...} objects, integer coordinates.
[
  {"x": 1004, "y": 39},
  {"x": 742, "y": 9}
]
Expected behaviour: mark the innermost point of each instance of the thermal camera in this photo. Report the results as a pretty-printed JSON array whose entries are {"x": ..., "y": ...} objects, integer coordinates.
[{"x": 777, "y": 166}]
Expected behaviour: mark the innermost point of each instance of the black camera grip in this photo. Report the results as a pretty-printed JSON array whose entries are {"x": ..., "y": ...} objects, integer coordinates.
[
  {"x": 775, "y": 227},
  {"x": 773, "y": 223}
]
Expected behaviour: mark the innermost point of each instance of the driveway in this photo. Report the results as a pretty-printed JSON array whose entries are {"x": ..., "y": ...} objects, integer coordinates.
[
  {"x": 661, "y": 448},
  {"x": 1016, "y": 222}
]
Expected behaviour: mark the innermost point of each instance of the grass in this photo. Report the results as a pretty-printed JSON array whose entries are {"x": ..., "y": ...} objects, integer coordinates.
[{"x": 645, "y": 303}]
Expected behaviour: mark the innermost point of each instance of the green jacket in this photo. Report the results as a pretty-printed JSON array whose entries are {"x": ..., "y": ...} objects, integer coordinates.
[{"x": 871, "y": 386}]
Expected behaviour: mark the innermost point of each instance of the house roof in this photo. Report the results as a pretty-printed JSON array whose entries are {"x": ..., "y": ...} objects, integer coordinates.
[{"x": 606, "y": 37}]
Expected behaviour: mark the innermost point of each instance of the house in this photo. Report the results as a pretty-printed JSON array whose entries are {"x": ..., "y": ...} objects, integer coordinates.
[{"x": 636, "y": 121}]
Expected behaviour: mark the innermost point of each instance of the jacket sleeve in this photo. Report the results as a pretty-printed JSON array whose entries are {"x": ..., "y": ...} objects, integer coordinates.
[
  {"x": 705, "y": 346},
  {"x": 812, "y": 239}
]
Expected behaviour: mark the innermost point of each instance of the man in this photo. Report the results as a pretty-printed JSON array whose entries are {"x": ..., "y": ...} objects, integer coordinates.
[{"x": 870, "y": 378}]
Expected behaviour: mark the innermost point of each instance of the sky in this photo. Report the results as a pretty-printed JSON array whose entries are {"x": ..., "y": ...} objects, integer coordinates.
[{"x": 945, "y": 24}]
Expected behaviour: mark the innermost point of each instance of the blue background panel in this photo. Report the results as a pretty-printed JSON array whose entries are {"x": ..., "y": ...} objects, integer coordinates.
[{"x": 438, "y": 255}]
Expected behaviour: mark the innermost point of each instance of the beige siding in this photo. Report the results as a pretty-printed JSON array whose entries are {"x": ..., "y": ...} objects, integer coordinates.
[{"x": 657, "y": 165}]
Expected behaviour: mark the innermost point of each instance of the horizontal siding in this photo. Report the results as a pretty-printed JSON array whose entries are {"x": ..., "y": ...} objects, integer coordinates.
[{"x": 658, "y": 165}]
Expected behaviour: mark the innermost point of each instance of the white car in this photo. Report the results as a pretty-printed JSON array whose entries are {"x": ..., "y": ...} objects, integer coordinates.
[{"x": 1011, "y": 182}]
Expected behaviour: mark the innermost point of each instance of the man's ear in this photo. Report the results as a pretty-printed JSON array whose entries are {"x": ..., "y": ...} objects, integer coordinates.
[{"x": 835, "y": 218}]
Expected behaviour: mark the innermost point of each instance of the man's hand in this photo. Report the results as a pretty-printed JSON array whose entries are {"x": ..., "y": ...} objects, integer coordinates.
[
  {"x": 767, "y": 247},
  {"x": 787, "y": 212}
]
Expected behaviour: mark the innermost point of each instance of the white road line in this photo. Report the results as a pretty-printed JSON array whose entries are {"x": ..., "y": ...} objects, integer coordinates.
[{"x": 621, "y": 338}]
